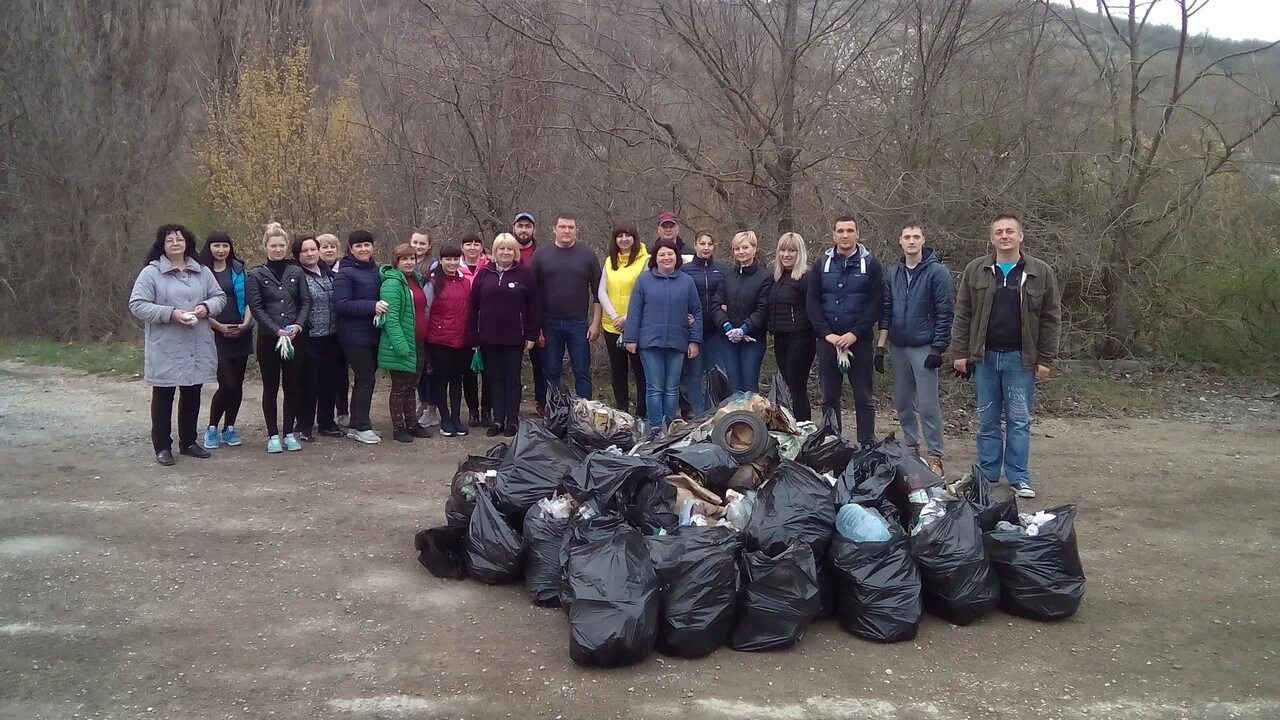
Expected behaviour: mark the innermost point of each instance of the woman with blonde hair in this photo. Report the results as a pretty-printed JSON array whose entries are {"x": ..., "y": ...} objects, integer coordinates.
[
  {"x": 740, "y": 310},
  {"x": 503, "y": 320},
  {"x": 793, "y": 340},
  {"x": 277, "y": 296}
]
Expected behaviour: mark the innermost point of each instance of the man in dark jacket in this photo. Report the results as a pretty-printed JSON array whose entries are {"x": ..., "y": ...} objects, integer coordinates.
[
  {"x": 845, "y": 295},
  {"x": 916, "y": 323},
  {"x": 1005, "y": 333},
  {"x": 523, "y": 229},
  {"x": 669, "y": 229}
]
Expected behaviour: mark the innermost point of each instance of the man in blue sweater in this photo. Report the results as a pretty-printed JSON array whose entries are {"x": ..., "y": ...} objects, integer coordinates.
[
  {"x": 844, "y": 302},
  {"x": 919, "y": 301}
]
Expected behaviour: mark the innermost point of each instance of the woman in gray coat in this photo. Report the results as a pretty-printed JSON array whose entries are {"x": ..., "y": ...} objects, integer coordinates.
[{"x": 174, "y": 296}]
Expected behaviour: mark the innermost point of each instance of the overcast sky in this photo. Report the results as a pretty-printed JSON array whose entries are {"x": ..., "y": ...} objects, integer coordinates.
[{"x": 1233, "y": 19}]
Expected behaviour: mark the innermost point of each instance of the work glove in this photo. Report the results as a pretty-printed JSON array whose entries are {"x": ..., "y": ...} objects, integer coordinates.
[
  {"x": 379, "y": 320},
  {"x": 285, "y": 347},
  {"x": 619, "y": 342},
  {"x": 878, "y": 361},
  {"x": 933, "y": 362},
  {"x": 734, "y": 334},
  {"x": 477, "y": 362},
  {"x": 842, "y": 360},
  {"x": 966, "y": 374}
]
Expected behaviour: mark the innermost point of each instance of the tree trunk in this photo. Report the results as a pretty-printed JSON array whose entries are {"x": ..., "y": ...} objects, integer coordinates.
[{"x": 1116, "y": 287}]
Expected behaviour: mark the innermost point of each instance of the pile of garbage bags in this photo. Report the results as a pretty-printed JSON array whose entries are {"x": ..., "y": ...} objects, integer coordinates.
[{"x": 740, "y": 528}]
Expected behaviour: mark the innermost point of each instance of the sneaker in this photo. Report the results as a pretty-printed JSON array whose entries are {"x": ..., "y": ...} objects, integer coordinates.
[
  {"x": 305, "y": 436},
  {"x": 211, "y": 438},
  {"x": 165, "y": 457},
  {"x": 402, "y": 435},
  {"x": 419, "y": 432},
  {"x": 494, "y": 431},
  {"x": 459, "y": 429},
  {"x": 935, "y": 464},
  {"x": 334, "y": 431},
  {"x": 1024, "y": 490},
  {"x": 194, "y": 450},
  {"x": 486, "y": 418},
  {"x": 231, "y": 437},
  {"x": 474, "y": 419},
  {"x": 273, "y": 444},
  {"x": 446, "y": 428},
  {"x": 344, "y": 420},
  {"x": 429, "y": 417},
  {"x": 291, "y": 443},
  {"x": 510, "y": 431},
  {"x": 368, "y": 437}
]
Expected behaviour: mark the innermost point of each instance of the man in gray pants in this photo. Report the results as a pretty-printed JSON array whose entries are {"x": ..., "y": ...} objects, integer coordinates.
[{"x": 919, "y": 301}]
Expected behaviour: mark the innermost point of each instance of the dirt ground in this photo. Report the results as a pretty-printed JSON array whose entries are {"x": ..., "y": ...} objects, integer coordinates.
[{"x": 286, "y": 586}]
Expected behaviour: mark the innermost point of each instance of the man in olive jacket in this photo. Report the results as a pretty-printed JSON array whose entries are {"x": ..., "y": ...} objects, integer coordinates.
[{"x": 1005, "y": 333}]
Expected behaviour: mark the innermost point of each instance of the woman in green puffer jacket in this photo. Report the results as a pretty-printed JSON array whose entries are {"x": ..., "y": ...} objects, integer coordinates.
[{"x": 401, "y": 344}]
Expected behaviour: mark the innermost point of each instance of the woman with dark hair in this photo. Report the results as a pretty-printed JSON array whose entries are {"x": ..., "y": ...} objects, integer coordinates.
[
  {"x": 400, "y": 349},
  {"x": 627, "y": 259},
  {"x": 741, "y": 310},
  {"x": 322, "y": 374},
  {"x": 174, "y": 296},
  {"x": 503, "y": 319},
  {"x": 659, "y": 330},
  {"x": 475, "y": 386},
  {"x": 449, "y": 298},
  {"x": 281, "y": 304},
  {"x": 356, "y": 298},
  {"x": 231, "y": 336}
]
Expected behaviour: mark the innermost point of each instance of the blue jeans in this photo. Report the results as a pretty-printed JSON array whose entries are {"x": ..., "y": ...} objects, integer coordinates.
[
  {"x": 1004, "y": 388},
  {"x": 662, "y": 368},
  {"x": 710, "y": 354},
  {"x": 742, "y": 361},
  {"x": 571, "y": 334}
]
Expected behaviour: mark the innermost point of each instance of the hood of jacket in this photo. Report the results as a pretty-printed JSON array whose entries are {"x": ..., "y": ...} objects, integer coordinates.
[
  {"x": 927, "y": 256},
  {"x": 350, "y": 260},
  {"x": 164, "y": 264},
  {"x": 390, "y": 272}
]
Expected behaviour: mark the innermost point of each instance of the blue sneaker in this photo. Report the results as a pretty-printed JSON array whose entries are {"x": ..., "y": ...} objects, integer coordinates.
[
  {"x": 446, "y": 427},
  {"x": 211, "y": 438},
  {"x": 459, "y": 429},
  {"x": 291, "y": 443},
  {"x": 273, "y": 444},
  {"x": 231, "y": 437}
]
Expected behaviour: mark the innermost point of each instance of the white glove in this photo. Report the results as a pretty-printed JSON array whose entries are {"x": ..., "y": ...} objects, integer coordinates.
[{"x": 842, "y": 360}]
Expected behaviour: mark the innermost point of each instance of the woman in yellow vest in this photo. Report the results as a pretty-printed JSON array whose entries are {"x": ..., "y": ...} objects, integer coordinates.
[{"x": 627, "y": 259}]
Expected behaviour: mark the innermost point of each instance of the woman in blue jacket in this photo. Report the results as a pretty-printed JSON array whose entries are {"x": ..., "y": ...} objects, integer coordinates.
[
  {"x": 658, "y": 329},
  {"x": 356, "y": 298}
]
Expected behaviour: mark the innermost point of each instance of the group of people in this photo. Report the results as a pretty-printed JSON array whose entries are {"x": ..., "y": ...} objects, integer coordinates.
[{"x": 460, "y": 321}]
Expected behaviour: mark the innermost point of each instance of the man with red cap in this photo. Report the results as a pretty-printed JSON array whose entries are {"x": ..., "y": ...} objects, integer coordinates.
[{"x": 669, "y": 229}]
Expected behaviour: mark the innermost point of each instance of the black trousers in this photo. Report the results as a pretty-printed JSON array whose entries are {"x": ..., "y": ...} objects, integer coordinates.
[
  {"x": 364, "y": 364},
  {"x": 277, "y": 373},
  {"x": 502, "y": 374},
  {"x": 619, "y": 362},
  {"x": 449, "y": 365},
  {"x": 226, "y": 399},
  {"x": 537, "y": 359},
  {"x": 322, "y": 381},
  {"x": 859, "y": 374},
  {"x": 794, "y": 353},
  {"x": 162, "y": 416},
  {"x": 341, "y": 406}
]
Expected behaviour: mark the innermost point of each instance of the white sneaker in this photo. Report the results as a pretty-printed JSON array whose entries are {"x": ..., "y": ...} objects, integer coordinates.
[
  {"x": 429, "y": 417},
  {"x": 367, "y": 437},
  {"x": 1024, "y": 491}
]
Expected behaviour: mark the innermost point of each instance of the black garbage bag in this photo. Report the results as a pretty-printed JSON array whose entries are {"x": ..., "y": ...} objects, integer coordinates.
[
  {"x": 544, "y": 538},
  {"x": 877, "y": 587},
  {"x": 652, "y": 507},
  {"x": 1040, "y": 576},
  {"x": 707, "y": 463},
  {"x": 440, "y": 551},
  {"x": 611, "y": 592},
  {"x": 959, "y": 584},
  {"x": 559, "y": 410},
  {"x": 913, "y": 472},
  {"x": 603, "y": 480},
  {"x": 532, "y": 470},
  {"x": 869, "y": 480},
  {"x": 976, "y": 489},
  {"x": 493, "y": 549},
  {"x": 697, "y": 571},
  {"x": 779, "y": 393},
  {"x": 466, "y": 483},
  {"x": 778, "y": 599},
  {"x": 715, "y": 383},
  {"x": 795, "y": 504},
  {"x": 825, "y": 451}
]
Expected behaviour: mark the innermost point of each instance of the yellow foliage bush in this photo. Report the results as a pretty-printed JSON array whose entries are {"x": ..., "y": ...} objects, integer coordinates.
[{"x": 276, "y": 151}]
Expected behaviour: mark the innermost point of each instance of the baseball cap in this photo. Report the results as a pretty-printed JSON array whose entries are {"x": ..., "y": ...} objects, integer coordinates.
[
  {"x": 524, "y": 216},
  {"x": 668, "y": 217}
]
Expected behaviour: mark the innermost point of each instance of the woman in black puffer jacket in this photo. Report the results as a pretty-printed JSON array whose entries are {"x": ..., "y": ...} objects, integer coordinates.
[
  {"x": 793, "y": 342},
  {"x": 740, "y": 310}
]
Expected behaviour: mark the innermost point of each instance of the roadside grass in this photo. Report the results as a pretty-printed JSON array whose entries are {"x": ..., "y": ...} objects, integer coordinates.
[{"x": 113, "y": 359}]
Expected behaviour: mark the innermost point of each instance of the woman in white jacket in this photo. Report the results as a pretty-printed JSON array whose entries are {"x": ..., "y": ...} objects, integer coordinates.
[{"x": 174, "y": 296}]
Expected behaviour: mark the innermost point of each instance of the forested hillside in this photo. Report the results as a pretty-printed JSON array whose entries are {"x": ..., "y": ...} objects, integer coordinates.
[{"x": 1146, "y": 160}]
